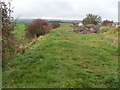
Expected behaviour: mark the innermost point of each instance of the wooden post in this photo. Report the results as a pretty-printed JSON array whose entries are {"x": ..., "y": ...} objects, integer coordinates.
[
  {"x": 119, "y": 12},
  {"x": 0, "y": 45}
]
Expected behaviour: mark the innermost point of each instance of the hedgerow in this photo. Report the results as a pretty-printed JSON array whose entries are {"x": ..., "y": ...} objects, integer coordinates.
[{"x": 8, "y": 39}]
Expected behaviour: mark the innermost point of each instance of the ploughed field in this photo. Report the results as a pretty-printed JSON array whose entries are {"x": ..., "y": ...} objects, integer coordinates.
[{"x": 63, "y": 59}]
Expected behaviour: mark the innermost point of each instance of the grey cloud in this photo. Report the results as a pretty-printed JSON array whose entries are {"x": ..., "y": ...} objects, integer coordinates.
[{"x": 65, "y": 8}]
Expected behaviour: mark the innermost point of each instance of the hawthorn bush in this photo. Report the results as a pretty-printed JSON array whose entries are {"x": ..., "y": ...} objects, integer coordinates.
[
  {"x": 55, "y": 25},
  {"x": 8, "y": 39},
  {"x": 37, "y": 28}
]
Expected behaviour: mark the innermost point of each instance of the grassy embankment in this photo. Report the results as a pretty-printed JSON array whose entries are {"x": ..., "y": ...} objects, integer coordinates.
[{"x": 65, "y": 59}]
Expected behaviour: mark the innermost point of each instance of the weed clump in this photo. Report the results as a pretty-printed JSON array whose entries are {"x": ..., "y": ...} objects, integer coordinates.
[
  {"x": 55, "y": 25},
  {"x": 109, "y": 30}
]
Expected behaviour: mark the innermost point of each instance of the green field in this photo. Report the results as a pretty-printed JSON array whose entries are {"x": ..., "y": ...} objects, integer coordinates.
[
  {"x": 64, "y": 59},
  {"x": 19, "y": 31}
]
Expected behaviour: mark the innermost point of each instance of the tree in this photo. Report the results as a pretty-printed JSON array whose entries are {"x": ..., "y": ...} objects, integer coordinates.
[{"x": 92, "y": 19}]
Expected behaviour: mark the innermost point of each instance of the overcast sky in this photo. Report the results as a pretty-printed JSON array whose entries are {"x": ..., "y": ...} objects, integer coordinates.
[{"x": 65, "y": 9}]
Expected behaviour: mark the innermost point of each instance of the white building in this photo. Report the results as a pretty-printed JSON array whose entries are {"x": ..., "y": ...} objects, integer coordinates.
[
  {"x": 80, "y": 24},
  {"x": 116, "y": 24}
]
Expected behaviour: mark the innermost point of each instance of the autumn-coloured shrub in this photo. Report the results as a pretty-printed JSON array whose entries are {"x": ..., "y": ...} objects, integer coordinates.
[
  {"x": 55, "y": 25},
  {"x": 107, "y": 23},
  {"x": 8, "y": 39},
  {"x": 37, "y": 28}
]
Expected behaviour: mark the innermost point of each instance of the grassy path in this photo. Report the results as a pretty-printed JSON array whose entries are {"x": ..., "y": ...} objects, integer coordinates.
[{"x": 65, "y": 59}]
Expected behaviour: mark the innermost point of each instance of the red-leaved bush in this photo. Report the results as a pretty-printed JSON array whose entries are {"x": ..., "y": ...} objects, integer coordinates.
[
  {"x": 37, "y": 28},
  {"x": 55, "y": 25}
]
